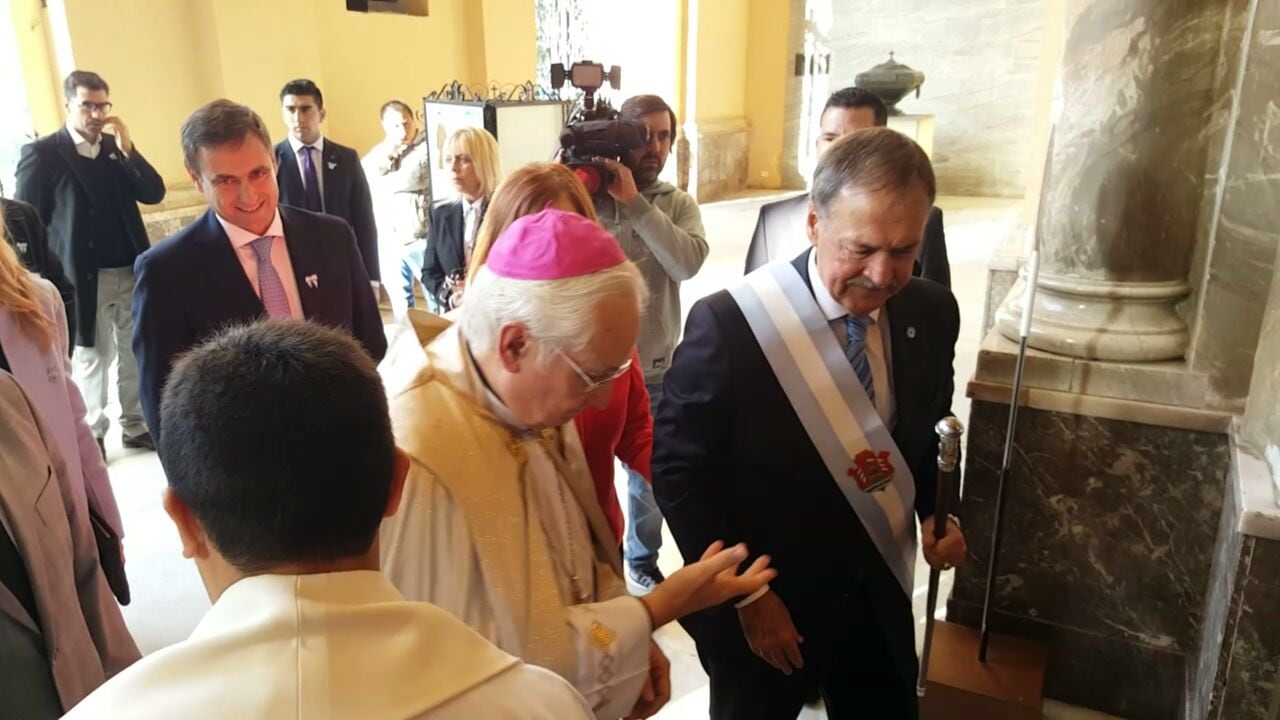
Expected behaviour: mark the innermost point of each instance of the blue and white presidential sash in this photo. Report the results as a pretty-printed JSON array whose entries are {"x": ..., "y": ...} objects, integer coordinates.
[{"x": 834, "y": 408}]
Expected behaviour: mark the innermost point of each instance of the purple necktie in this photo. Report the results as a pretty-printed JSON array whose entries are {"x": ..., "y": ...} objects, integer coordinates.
[
  {"x": 270, "y": 289},
  {"x": 314, "y": 203}
]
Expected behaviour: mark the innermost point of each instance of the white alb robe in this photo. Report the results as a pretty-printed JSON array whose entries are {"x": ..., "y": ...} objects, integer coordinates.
[
  {"x": 327, "y": 647},
  {"x": 501, "y": 527}
]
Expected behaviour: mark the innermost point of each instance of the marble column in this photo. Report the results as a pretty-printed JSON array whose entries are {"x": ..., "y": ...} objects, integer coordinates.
[{"x": 1124, "y": 179}]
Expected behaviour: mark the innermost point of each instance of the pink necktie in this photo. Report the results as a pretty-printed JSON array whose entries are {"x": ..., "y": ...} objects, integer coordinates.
[{"x": 270, "y": 289}]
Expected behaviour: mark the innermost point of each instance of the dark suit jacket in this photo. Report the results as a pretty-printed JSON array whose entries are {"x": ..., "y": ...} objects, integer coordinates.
[
  {"x": 48, "y": 178},
  {"x": 193, "y": 284},
  {"x": 732, "y": 462},
  {"x": 346, "y": 194},
  {"x": 445, "y": 252},
  {"x": 27, "y": 235},
  {"x": 780, "y": 232}
]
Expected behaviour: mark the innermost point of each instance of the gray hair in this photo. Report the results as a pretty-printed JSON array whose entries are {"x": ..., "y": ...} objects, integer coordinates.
[
  {"x": 559, "y": 313},
  {"x": 219, "y": 123},
  {"x": 871, "y": 160}
]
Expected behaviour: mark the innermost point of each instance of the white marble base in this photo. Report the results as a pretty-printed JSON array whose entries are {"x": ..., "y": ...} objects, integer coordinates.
[
  {"x": 1259, "y": 496},
  {"x": 1101, "y": 320}
]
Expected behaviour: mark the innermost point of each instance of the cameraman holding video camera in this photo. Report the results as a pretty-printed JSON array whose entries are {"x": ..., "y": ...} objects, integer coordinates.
[{"x": 660, "y": 229}]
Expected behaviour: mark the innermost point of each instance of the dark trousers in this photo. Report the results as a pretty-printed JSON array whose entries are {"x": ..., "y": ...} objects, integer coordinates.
[{"x": 851, "y": 668}]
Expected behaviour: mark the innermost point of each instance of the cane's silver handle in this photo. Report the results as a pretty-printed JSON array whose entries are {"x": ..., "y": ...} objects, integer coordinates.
[{"x": 949, "y": 430}]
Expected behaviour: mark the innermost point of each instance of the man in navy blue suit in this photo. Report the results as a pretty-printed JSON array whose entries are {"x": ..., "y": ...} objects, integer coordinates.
[
  {"x": 798, "y": 417},
  {"x": 318, "y": 174},
  {"x": 245, "y": 258}
]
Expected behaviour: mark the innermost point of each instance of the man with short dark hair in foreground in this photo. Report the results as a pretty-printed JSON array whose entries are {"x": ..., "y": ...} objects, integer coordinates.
[{"x": 281, "y": 465}]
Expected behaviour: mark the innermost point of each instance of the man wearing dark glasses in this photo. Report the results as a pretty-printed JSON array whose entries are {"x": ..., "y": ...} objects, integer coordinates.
[{"x": 86, "y": 181}]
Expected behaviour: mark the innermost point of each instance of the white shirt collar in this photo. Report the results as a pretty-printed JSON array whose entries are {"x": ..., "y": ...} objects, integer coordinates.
[
  {"x": 469, "y": 206},
  {"x": 79, "y": 139},
  {"x": 831, "y": 308},
  {"x": 240, "y": 237},
  {"x": 297, "y": 144}
]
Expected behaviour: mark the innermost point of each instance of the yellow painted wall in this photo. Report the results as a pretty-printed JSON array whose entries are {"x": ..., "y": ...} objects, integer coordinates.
[
  {"x": 163, "y": 58},
  {"x": 720, "y": 57},
  {"x": 510, "y": 46},
  {"x": 39, "y": 71},
  {"x": 145, "y": 50},
  {"x": 254, "y": 62},
  {"x": 768, "y": 30}
]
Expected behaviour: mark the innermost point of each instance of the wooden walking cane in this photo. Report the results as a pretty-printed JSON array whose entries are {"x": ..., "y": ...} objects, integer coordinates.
[
  {"x": 977, "y": 675},
  {"x": 949, "y": 430}
]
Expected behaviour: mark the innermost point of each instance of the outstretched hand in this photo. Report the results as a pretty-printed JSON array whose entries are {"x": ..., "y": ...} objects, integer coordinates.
[{"x": 712, "y": 580}]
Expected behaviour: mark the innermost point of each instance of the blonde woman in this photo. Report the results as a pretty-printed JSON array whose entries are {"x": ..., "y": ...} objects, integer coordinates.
[
  {"x": 472, "y": 155},
  {"x": 49, "y": 559}
]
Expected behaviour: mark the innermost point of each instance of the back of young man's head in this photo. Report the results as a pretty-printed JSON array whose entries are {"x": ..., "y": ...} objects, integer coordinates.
[{"x": 277, "y": 440}]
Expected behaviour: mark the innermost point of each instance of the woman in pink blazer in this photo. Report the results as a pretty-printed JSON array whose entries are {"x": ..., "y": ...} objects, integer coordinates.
[{"x": 33, "y": 342}]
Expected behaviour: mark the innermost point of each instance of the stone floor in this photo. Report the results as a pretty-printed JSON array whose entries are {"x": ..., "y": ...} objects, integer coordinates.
[{"x": 168, "y": 596}]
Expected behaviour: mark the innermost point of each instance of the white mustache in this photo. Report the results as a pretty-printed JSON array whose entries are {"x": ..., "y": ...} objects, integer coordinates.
[{"x": 865, "y": 284}]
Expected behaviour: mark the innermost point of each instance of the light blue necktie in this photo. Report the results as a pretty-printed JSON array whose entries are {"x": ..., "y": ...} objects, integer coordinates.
[
  {"x": 270, "y": 288},
  {"x": 855, "y": 350}
]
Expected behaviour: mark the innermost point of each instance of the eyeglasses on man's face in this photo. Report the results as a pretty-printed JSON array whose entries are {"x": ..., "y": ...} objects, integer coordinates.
[
  {"x": 595, "y": 383},
  {"x": 89, "y": 108}
]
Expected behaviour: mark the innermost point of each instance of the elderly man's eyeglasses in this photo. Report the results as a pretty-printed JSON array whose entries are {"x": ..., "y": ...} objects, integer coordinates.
[
  {"x": 595, "y": 383},
  {"x": 90, "y": 107}
]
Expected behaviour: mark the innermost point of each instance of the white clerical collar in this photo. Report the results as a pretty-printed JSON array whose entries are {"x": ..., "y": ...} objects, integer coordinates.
[
  {"x": 297, "y": 144},
  {"x": 240, "y": 237},
  {"x": 831, "y": 308},
  {"x": 78, "y": 139}
]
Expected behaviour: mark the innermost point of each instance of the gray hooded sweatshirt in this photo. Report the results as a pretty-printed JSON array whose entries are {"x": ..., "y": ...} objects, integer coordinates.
[{"x": 661, "y": 232}]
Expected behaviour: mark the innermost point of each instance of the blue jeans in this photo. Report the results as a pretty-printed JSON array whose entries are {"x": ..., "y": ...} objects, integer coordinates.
[
  {"x": 400, "y": 271},
  {"x": 644, "y": 531}
]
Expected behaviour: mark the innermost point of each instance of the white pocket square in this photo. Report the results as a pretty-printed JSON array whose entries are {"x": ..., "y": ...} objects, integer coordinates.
[{"x": 312, "y": 281}]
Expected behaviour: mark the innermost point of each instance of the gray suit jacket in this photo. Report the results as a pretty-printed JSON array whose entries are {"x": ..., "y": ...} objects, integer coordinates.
[
  {"x": 780, "y": 234},
  {"x": 80, "y": 639}
]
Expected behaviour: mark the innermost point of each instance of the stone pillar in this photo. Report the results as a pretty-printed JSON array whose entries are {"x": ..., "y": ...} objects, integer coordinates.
[
  {"x": 1124, "y": 179},
  {"x": 1133, "y": 546}
]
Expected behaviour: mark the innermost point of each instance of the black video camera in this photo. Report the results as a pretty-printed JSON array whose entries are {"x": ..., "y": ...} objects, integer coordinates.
[
  {"x": 594, "y": 130},
  {"x": 584, "y": 142}
]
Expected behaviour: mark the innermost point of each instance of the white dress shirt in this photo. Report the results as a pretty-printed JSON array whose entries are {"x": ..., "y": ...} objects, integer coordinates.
[
  {"x": 317, "y": 158},
  {"x": 470, "y": 223},
  {"x": 84, "y": 148},
  {"x": 240, "y": 239},
  {"x": 877, "y": 349}
]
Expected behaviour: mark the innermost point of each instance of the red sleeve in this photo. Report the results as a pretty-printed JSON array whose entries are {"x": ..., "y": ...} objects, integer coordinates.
[{"x": 635, "y": 447}]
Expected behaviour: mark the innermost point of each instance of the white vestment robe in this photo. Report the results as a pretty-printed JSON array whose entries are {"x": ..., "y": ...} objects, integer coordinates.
[
  {"x": 500, "y": 526},
  {"x": 330, "y": 647}
]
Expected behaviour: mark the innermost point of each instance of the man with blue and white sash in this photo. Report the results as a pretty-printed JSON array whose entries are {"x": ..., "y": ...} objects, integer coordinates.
[{"x": 798, "y": 417}]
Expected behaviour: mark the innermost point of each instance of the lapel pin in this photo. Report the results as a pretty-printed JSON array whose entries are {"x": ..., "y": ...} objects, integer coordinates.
[
  {"x": 911, "y": 331},
  {"x": 333, "y": 165},
  {"x": 21, "y": 247},
  {"x": 113, "y": 156},
  {"x": 312, "y": 282}
]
